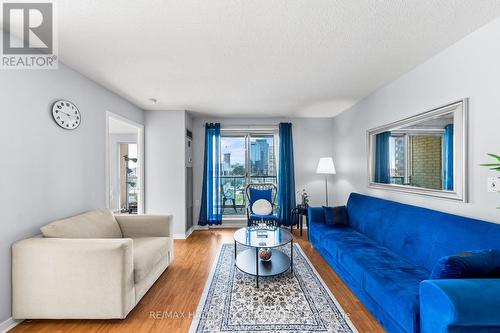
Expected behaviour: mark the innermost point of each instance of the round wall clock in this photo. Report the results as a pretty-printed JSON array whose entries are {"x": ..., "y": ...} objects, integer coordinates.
[{"x": 66, "y": 114}]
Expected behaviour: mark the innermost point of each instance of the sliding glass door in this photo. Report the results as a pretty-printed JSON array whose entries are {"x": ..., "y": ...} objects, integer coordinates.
[
  {"x": 247, "y": 157},
  {"x": 234, "y": 171}
]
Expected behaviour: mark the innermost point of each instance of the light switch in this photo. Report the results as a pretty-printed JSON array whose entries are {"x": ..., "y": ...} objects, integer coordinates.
[{"x": 494, "y": 184}]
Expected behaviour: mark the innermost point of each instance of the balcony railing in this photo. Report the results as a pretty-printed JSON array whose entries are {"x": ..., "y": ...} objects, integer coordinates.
[{"x": 233, "y": 192}]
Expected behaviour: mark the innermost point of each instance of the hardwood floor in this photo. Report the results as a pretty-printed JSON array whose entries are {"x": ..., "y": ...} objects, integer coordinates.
[{"x": 180, "y": 287}]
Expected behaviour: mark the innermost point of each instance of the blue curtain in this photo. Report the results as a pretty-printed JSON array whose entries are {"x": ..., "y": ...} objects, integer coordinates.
[
  {"x": 448, "y": 158},
  {"x": 286, "y": 175},
  {"x": 382, "y": 167},
  {"x": 211, "y": 208}
]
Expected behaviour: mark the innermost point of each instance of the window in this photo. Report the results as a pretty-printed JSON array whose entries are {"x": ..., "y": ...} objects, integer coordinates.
[
  {"x": 417, "y": 159},
  {"x": 397, "y": 159},
  {"x": 247, "y": 157}
]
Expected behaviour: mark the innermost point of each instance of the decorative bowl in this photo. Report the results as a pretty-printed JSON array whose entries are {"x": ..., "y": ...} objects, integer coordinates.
[{"x": 265, "y": 253}]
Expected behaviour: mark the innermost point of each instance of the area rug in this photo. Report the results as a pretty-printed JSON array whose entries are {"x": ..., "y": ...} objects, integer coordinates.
[{"x": 290, "y": 302}]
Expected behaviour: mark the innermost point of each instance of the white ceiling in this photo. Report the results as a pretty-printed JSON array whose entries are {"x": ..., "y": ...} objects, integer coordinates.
[{"x": 307, "y": 58}]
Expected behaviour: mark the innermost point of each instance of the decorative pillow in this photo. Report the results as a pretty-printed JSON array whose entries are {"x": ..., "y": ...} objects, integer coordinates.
[
  {"x": 335, "y": 215},
  {"x": 99, "y": 223},
  {"x": 256, "y": 194},
  {"x": 262, "y": 207},
  {"x": 468, "y": 265}
]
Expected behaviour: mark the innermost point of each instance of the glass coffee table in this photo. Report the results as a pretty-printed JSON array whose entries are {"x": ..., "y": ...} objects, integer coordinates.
[{"x": 256, "y": 238}]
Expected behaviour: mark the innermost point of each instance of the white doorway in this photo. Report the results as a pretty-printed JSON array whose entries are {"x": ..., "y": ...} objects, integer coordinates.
[{"x": 124, "y": 165}]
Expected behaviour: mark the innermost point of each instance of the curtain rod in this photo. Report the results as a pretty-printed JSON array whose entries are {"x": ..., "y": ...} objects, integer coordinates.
[{"x": 250, "y": 128}]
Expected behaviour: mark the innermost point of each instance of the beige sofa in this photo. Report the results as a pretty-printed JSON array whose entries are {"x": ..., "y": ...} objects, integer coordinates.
[{"x": 91, "y": 266}]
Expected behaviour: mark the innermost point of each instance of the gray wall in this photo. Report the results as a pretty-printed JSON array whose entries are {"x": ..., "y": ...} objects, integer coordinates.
[
  {"x": 165, "y": 167},
  {"x": 470, "y": 68},
  {"x": 311, "y": 139},
  {"x": 47, "y": 172}
]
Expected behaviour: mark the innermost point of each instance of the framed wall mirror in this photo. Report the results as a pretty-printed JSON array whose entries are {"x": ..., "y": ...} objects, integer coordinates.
[{"x": 425, "y": 154}]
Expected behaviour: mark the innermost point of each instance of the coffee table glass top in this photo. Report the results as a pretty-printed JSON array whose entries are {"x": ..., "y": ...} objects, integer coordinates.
[{"x": 262, "y": 237}]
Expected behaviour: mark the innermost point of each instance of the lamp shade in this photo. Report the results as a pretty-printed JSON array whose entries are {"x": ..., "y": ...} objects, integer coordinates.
[{"x": 326, "y": 166}]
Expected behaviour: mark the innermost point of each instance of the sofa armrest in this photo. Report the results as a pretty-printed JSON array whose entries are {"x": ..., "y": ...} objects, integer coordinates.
[
  {"x": 316, "y": 215},
  {"x": 72, "y": 278},
  {"x": 471, "y": 304},
  {"x": 145, "y": 225}
]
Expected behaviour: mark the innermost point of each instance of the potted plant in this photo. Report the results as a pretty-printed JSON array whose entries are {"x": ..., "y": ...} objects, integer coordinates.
[{"x": 304, "y": 198}]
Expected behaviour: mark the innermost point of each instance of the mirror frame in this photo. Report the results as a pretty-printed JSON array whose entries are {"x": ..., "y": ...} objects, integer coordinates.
[{"x": 461, "y": 162}]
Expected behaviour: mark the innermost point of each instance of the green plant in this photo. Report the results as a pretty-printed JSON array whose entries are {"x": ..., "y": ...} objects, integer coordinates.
[
  {"x": 304, "y": 197},
  {"x": 493, "y": 166}
]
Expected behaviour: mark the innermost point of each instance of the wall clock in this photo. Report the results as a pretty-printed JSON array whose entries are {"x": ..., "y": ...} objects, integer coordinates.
[{"x": 66, "y": 114}]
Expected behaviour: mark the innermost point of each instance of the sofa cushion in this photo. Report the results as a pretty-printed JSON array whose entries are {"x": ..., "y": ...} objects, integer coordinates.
[
  {"x": 396, "y": 290},
  {"x": 339, "y": 240},
  {"x": 468, "y": 265},
  {"x": 99, "y": 223},
  {"x": 335, "y": 215},
  {"x": 321, "y": 232},
  {"x": 390, "y": 280},
  {"x": 148, "y": 252}
]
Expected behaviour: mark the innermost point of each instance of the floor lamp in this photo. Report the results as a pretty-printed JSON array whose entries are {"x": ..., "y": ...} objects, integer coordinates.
[{"x": 326, "y": 167}]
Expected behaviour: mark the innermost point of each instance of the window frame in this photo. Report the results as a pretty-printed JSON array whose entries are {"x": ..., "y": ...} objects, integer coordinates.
[{"x": 249, "y": 133}]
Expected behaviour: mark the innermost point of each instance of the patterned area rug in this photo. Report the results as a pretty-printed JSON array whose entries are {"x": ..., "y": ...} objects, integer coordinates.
[{"x": 290, "y": 302}]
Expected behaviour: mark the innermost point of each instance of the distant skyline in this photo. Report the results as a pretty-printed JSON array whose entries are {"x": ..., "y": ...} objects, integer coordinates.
[{"x": 236, "y": 146}]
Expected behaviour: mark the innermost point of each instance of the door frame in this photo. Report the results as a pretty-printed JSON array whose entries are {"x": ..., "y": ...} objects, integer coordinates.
[{"x": 140, "y": 155}]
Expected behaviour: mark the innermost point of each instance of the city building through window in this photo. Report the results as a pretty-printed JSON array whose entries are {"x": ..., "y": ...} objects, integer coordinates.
[{"x": 246, "y": 158}]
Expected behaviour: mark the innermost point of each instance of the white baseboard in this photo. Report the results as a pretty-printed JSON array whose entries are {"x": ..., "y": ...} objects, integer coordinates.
[
  {"x": 230, "y": 224},
  {"x": 201, "y": 227},
  {"x": 9, "y": 324},
  {"x": 184, "y": 235},
  {"x": 225, "y": 224},
  {"x": 189, "y": 232}
]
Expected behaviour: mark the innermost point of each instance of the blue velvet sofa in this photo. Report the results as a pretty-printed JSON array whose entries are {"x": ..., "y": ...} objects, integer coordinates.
[{"x": 386, "y": 252}]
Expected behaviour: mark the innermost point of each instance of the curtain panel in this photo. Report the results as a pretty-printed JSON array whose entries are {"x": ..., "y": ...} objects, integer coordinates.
[
  {"x": 448, "y": 177},
  {"x": 211, "y": 209},
  {"x": 286, "y": 174},
  {"x": 382, "y": 167}
]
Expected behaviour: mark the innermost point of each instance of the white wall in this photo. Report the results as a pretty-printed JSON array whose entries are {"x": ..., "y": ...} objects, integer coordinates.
[
  {"x": 470, "y": 68},
  {"x": 48, "y": 172},
  {"x": 311, "y": 139},
  {"x": 165, "y": 167}
]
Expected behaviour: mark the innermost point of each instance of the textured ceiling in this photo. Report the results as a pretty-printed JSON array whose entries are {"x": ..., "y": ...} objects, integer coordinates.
[{"x": 307, "y": 58}]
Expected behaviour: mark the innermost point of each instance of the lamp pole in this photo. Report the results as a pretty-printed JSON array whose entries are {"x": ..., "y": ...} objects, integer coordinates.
[
  {"x": 326, "y": 189},
  {"x": 326, "y": 167}
]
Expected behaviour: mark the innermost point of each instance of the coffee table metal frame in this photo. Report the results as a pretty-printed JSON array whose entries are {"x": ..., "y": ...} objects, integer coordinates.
[{"x": 248, "y": 260}]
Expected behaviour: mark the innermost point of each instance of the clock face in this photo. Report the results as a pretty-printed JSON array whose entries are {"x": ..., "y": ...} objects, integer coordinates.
[{"x": 66, "y": 114}]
